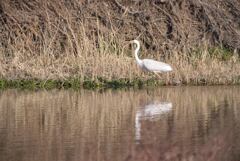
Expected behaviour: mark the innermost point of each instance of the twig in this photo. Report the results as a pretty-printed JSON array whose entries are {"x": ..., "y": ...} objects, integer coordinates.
[{"x": 126, "y": 9}]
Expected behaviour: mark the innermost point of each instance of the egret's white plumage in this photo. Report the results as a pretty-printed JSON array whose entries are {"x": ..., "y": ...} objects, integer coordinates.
[
  {"x": 152, "y": 112},
  {"x": 149, "y": 64}
]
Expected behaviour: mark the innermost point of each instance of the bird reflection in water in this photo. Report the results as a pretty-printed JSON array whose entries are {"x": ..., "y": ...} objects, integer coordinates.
[{"x": 152, "y": 111}]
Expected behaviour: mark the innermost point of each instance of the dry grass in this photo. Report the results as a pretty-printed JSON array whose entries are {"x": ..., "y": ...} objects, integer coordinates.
[
  {"x": 112, "y": 61},
  {"x": 206, "y": 67},
  {"x": 57, "y": 40}
]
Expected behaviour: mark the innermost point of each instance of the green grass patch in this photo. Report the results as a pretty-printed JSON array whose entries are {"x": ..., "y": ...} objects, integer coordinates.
[
  {"x": 76, "y": 83},
  {"x": 221, "y": 53}
]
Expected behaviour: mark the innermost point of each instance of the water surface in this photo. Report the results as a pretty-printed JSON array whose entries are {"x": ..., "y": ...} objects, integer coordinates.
[{"x": 168, "y": 123}]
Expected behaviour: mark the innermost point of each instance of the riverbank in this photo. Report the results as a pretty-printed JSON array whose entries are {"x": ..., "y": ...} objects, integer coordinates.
[
  {"x": 78, "y": 84},
  {"x": 205, "y": 67},
  {"x": 208, "y": 66},
  {"x": 33, "y": 84},
  {"x": 80, "y": 45}
]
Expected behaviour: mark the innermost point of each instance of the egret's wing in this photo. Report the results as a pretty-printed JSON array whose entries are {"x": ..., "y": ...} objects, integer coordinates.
[
  {"x": 156, "y": 66},
  {"x": 157, "y": 108}
]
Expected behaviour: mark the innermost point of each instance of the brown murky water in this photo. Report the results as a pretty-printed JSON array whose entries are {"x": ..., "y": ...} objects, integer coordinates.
[{"x": 168, "y": 123}]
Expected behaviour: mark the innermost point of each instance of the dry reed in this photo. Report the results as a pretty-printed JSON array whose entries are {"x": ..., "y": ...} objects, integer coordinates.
[{"x": 56, "y": 40}]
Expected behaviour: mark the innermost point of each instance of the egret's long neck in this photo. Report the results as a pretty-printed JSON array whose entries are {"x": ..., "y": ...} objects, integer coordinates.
[{"x": 136, "y": 54}]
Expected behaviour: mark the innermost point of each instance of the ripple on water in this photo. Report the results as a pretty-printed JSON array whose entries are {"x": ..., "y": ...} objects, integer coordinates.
[{"x": 169, "y": 123}]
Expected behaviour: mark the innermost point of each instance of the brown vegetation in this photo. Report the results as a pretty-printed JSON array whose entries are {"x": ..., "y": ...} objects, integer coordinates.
[{"x": 84, "y": 38}]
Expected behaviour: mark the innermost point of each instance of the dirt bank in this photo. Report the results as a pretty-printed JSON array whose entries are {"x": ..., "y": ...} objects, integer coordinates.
[{"x": 160, "y": 24}]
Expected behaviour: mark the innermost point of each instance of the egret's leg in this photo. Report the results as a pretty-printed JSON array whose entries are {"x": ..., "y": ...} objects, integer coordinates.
[
  {"x": 168, "y": 80},
  {"x": 145, "y": 75},
  {"x": 157, "y": 74}
]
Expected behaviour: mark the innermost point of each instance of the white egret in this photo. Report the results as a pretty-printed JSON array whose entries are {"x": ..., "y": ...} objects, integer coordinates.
[
  {"x": 149, "y": 64},
  {"x": 152, "y": 112}
]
